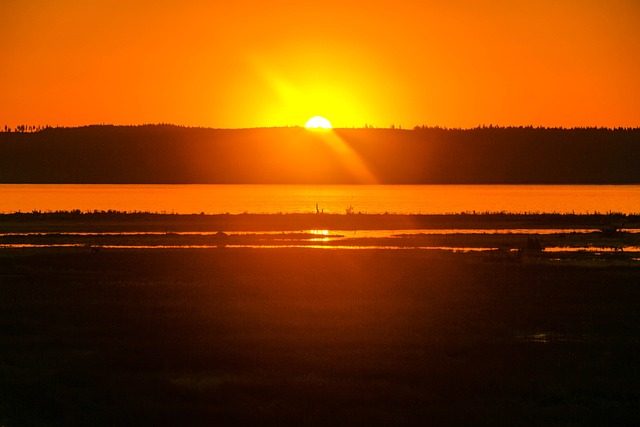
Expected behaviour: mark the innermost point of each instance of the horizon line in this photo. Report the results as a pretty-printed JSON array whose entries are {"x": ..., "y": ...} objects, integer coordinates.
[{"x": 38, "y": 128}]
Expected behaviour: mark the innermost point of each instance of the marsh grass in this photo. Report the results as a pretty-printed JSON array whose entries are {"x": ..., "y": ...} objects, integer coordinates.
[
  {"x": 112, "y": 221},
  {"x": 289, "y": 336}
]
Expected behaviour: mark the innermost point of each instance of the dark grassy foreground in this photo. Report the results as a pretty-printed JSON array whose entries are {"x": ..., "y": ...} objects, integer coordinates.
[{"x": 314, "y": 337}]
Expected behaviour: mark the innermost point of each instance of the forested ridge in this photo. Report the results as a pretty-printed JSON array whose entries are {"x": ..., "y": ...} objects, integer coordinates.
[{"x": 172, "y": 154}]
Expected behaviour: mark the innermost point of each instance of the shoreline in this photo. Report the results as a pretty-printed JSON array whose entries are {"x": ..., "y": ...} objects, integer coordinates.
[
  {"x": 588, "y": 239},
  {"x": 148, "y": 222}
]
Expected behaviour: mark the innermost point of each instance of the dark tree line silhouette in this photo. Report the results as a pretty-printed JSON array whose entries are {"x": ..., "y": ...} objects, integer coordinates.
[
  {"x": 425, "y": 155},
  {"x": 23, "y": 128}
]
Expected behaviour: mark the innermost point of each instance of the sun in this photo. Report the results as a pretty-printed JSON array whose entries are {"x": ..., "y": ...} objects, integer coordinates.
[{"x": 318, "y": 122}]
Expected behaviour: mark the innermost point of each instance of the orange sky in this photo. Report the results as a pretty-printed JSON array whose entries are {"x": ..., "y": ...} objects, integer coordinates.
[{"x": 276, "y": 63}]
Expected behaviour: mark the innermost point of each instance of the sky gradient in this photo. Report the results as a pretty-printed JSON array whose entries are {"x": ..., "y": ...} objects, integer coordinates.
[{"x": 255, "y": 63}]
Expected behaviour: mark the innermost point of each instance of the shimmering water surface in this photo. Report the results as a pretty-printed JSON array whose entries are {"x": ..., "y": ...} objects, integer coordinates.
[{"x": 424, "y": 199}]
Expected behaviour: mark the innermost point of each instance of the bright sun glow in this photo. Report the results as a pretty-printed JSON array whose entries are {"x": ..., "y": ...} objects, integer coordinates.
[{"x": 318, "y": 122}]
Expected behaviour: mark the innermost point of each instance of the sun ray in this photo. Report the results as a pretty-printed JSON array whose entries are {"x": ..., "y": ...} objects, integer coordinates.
[{"x": 350, "y": 158}]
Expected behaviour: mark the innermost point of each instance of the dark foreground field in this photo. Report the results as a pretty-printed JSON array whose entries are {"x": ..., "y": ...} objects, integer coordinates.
[{"x": 314, "y": 337}]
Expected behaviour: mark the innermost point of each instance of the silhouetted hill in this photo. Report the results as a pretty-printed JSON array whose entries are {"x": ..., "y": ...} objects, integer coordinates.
[{"x": 171, "y": 154}]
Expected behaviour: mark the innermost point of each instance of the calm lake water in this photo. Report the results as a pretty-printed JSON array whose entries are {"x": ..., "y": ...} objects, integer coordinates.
[{"x": 424, "y": 199}]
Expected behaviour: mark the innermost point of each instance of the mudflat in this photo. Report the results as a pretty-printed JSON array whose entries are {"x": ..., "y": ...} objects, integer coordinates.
[{"x": 298, "y": 336}]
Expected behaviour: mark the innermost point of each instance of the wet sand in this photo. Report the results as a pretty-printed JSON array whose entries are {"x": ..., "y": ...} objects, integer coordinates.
[{"x": 228, "y": 336}]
